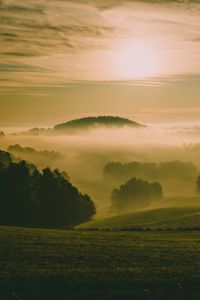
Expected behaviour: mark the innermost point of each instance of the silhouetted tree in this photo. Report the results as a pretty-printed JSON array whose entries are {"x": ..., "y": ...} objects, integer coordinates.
[
  {"x": 47, "y": 198},
  {"x": 198, "y": 184},
  {"x": 5, "y": 159},
  {"x": 2, "y": 134},
  {"x": 136, "y": 193},
  {"x": 15, "y": 194}
]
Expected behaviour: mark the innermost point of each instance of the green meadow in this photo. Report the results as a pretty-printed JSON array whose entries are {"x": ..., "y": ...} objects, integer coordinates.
[
  {"x": 177, "y": 218},
  {"x": 82, "y": 264}
]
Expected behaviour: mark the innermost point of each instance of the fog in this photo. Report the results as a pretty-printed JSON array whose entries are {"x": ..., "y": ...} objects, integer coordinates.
[{"x": 84, "y": 155}]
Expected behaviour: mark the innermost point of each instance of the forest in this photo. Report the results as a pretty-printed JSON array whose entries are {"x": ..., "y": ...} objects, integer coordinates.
[{"x": 29, "y": 197}]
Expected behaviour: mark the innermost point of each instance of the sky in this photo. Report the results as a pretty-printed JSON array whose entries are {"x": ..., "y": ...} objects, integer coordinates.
[{"x": 66, "y": 59}]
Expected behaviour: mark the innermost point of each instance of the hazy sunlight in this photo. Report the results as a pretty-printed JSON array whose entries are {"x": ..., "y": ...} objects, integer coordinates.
[{"x": 137, "y": 61}]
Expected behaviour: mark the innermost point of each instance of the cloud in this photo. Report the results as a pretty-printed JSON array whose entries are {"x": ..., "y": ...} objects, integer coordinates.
[
  {"x": 84, "y": 40},
  {"x": 19, "y": 68}
]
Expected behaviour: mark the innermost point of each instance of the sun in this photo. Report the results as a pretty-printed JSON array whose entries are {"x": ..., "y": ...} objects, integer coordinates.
[{"x": 137, "y": 61}]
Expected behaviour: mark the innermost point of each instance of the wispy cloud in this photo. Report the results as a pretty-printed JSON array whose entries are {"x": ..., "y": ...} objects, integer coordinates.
[{"x": 65, "y": 41}]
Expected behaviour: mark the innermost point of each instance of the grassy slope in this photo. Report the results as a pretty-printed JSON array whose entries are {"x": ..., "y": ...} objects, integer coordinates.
[
  {"x": 58, "y": 264},
  {"x": 173, "y": 217},
  {"x": 180, "y": 201}
]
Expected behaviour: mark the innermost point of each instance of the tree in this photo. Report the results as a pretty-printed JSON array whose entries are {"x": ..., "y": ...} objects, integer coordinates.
[
  {"x": 60, "y": 203},
  {"x": 198, "y": 184},
  {"x": 165, "y": 171},
  {"x": 5, "y": 159},
  {"x": 136, "y": 194},
  {"x": 32, "y": 198},
  {"x": 2, "y": 134},
  {"x": 15, "y": 194}
]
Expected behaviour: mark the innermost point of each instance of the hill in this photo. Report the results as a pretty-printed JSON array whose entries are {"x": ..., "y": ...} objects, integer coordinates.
[
  {"x": 161, "y": 218},
  {"x": 82, "y": 124},
  {"x": 95, "y": 122},
  {"x": 2, "y": 134}
]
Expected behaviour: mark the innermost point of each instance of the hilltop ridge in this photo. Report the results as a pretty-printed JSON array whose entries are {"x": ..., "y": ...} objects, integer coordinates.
[
  {"x": 87, "y": 123},
  {"x": 94, "y": 122}
]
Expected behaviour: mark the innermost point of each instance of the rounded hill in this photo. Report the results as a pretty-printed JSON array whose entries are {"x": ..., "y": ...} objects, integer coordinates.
[{"x": 95, "y": 122}]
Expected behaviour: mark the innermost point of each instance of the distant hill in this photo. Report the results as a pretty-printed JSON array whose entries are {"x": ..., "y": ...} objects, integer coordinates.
[
  {"x": 82, "y": 124},
  {"x": 95, "y": 122},
  {"x": 28, "y": 151},
  {"x": 162, "y": 218},
  {"x": 2, "y": 134}
]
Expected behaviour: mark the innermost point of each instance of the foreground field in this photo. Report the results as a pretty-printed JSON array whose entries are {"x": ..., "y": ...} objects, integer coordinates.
[
  {"x": 58, "y": 264},
  {"x": 161, "y": 218}
]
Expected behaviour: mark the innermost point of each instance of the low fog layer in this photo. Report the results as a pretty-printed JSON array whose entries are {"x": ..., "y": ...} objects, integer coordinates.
[{"x": 84, "y": 155}]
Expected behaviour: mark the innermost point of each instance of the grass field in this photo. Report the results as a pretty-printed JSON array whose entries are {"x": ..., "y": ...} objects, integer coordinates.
[
  {"x": 162, "y": 218},
  {"x": 60, "y": 264}
]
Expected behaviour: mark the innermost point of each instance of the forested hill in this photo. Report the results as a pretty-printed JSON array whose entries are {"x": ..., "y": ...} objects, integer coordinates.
[
  {"x": 87, "y": 123},
  {"x": 95, "y": 122}
]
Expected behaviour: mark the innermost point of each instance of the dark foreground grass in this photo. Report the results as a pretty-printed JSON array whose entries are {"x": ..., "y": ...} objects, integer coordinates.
[{"x": 58, "y": 264}]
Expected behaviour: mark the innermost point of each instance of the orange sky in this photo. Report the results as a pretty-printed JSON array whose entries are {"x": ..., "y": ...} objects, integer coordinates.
[{"x": 71, "y": 58}]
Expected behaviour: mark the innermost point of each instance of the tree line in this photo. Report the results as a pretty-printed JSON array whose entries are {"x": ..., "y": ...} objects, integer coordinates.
[
  {"x": 47, "y": 198},
  {"x": 150, "y": 170},
  {"x": 29, "y": 197}
]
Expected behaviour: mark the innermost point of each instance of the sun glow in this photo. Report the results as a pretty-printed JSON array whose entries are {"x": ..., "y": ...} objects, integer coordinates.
[{"x": 137, "y": 61}]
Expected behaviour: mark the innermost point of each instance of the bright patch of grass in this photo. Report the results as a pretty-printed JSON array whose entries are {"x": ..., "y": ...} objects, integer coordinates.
[{"x": 162, "y": 218}]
